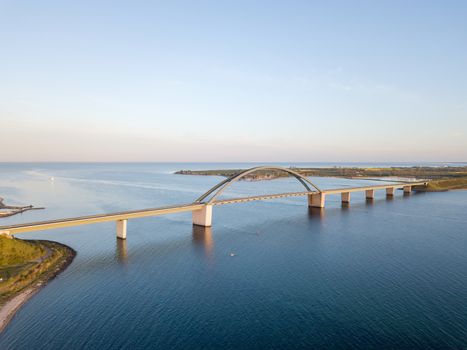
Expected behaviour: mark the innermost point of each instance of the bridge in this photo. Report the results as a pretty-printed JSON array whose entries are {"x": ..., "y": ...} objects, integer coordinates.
[{"x": 202, "y": 207}]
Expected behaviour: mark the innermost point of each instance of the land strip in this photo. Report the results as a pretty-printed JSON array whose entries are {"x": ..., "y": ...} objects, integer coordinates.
[
  {"x": 441, "y": 178},
  {"x": 26, "y": 266},
  {"x": 9, "y": 210}
]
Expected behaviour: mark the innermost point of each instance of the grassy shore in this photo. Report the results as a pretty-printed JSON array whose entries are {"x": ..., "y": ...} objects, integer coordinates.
[
  {"x": 441, "y": 178},
  {"x": 25, "y": 266},
  {"x": 445, "y": 185}
]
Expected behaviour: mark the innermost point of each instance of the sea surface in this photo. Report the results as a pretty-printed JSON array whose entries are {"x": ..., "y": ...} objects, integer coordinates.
[{"x": 386, "y": 274}]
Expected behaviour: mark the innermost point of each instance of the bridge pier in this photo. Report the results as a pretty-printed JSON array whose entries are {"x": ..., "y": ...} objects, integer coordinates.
[
  {"x": 345, "y": 197},
  {"x": 121, "y": 229},
  {"x": 203, "y": 217},
  {"x": 370, "y": 194},
  {"x": 316, "y": 200},
  {"x": 390, "y": 192},
  {"x": 407, "y": 189}
]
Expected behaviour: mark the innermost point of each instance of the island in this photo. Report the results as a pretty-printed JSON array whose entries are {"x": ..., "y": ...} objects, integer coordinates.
[
  {"x": 26, "y": 266},
  {"x": 441, "y": 178}
]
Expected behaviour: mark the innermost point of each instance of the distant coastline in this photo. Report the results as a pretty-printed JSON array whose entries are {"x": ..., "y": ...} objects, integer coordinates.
[{"x": 442, "y": 178}]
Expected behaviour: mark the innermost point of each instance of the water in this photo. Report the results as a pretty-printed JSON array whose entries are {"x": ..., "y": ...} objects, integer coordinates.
[{"x": 386, "y": 274}]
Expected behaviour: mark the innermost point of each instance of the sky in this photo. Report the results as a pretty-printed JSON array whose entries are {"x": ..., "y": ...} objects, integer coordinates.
[{"x": 219, "y": 81}]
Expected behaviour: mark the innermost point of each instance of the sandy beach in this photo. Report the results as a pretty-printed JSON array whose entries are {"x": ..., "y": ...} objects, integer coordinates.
[
  {"x": 8, "y": 310},
  {"x": 11, "y": 306}
]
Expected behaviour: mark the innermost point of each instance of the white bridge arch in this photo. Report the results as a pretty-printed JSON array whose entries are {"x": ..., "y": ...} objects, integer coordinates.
[{"x": 223, "y": 185}]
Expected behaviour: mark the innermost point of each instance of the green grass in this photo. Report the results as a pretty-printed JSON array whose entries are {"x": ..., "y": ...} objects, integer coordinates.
[
  {"x": 447, "y": 184},
  {"x": 17, "y": 252},
  {"x": 26, "y": 263}
]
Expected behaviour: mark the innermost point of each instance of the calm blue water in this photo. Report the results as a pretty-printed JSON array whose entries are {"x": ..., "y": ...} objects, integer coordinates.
[{"x": 391, "y": 274}]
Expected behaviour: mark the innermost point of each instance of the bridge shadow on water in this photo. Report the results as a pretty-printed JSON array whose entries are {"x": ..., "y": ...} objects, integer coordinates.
[
  {"x": 121, "y": 250},
  {"x": 202, "y": 240},
  {"x": 316, "y": 213}
]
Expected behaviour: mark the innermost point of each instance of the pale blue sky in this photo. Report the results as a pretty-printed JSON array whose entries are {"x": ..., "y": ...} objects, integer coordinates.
[{"x": 233, "y": 80}]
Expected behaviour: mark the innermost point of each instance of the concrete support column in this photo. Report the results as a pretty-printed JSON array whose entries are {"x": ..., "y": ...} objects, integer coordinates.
[
  {"x": 203, "y": 217},
  {"x": 316, "y": 200},
  {"x": 345, "y": 197},
  {"x": 121, "y": 229},
  {"x": 407, "y": 189},
  {"x": 370, "y": 194},
  {"x": 390, "y": 192}
]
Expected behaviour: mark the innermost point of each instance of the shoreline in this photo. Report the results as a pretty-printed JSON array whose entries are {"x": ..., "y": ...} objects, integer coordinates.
[
  {"x": 9, "y": 309},
  {"x": 10, "y": 210},
  {"x": 438, "y": 178}
]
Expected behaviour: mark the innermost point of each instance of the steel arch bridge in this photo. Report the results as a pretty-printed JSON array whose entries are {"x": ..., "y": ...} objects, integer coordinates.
[
  {"x": 201, "y": 209},
  {"x": 217, "y": 190}
]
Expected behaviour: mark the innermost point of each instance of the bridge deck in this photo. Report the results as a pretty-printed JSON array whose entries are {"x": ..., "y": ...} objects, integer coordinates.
[
  {"x": 374, "y": 187},
  {"x": 133, "y": 214},
  {"x": 330, "y": 191},
  {"x": 261, "y": 197},
  {"x": 93, "y": 219}
]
